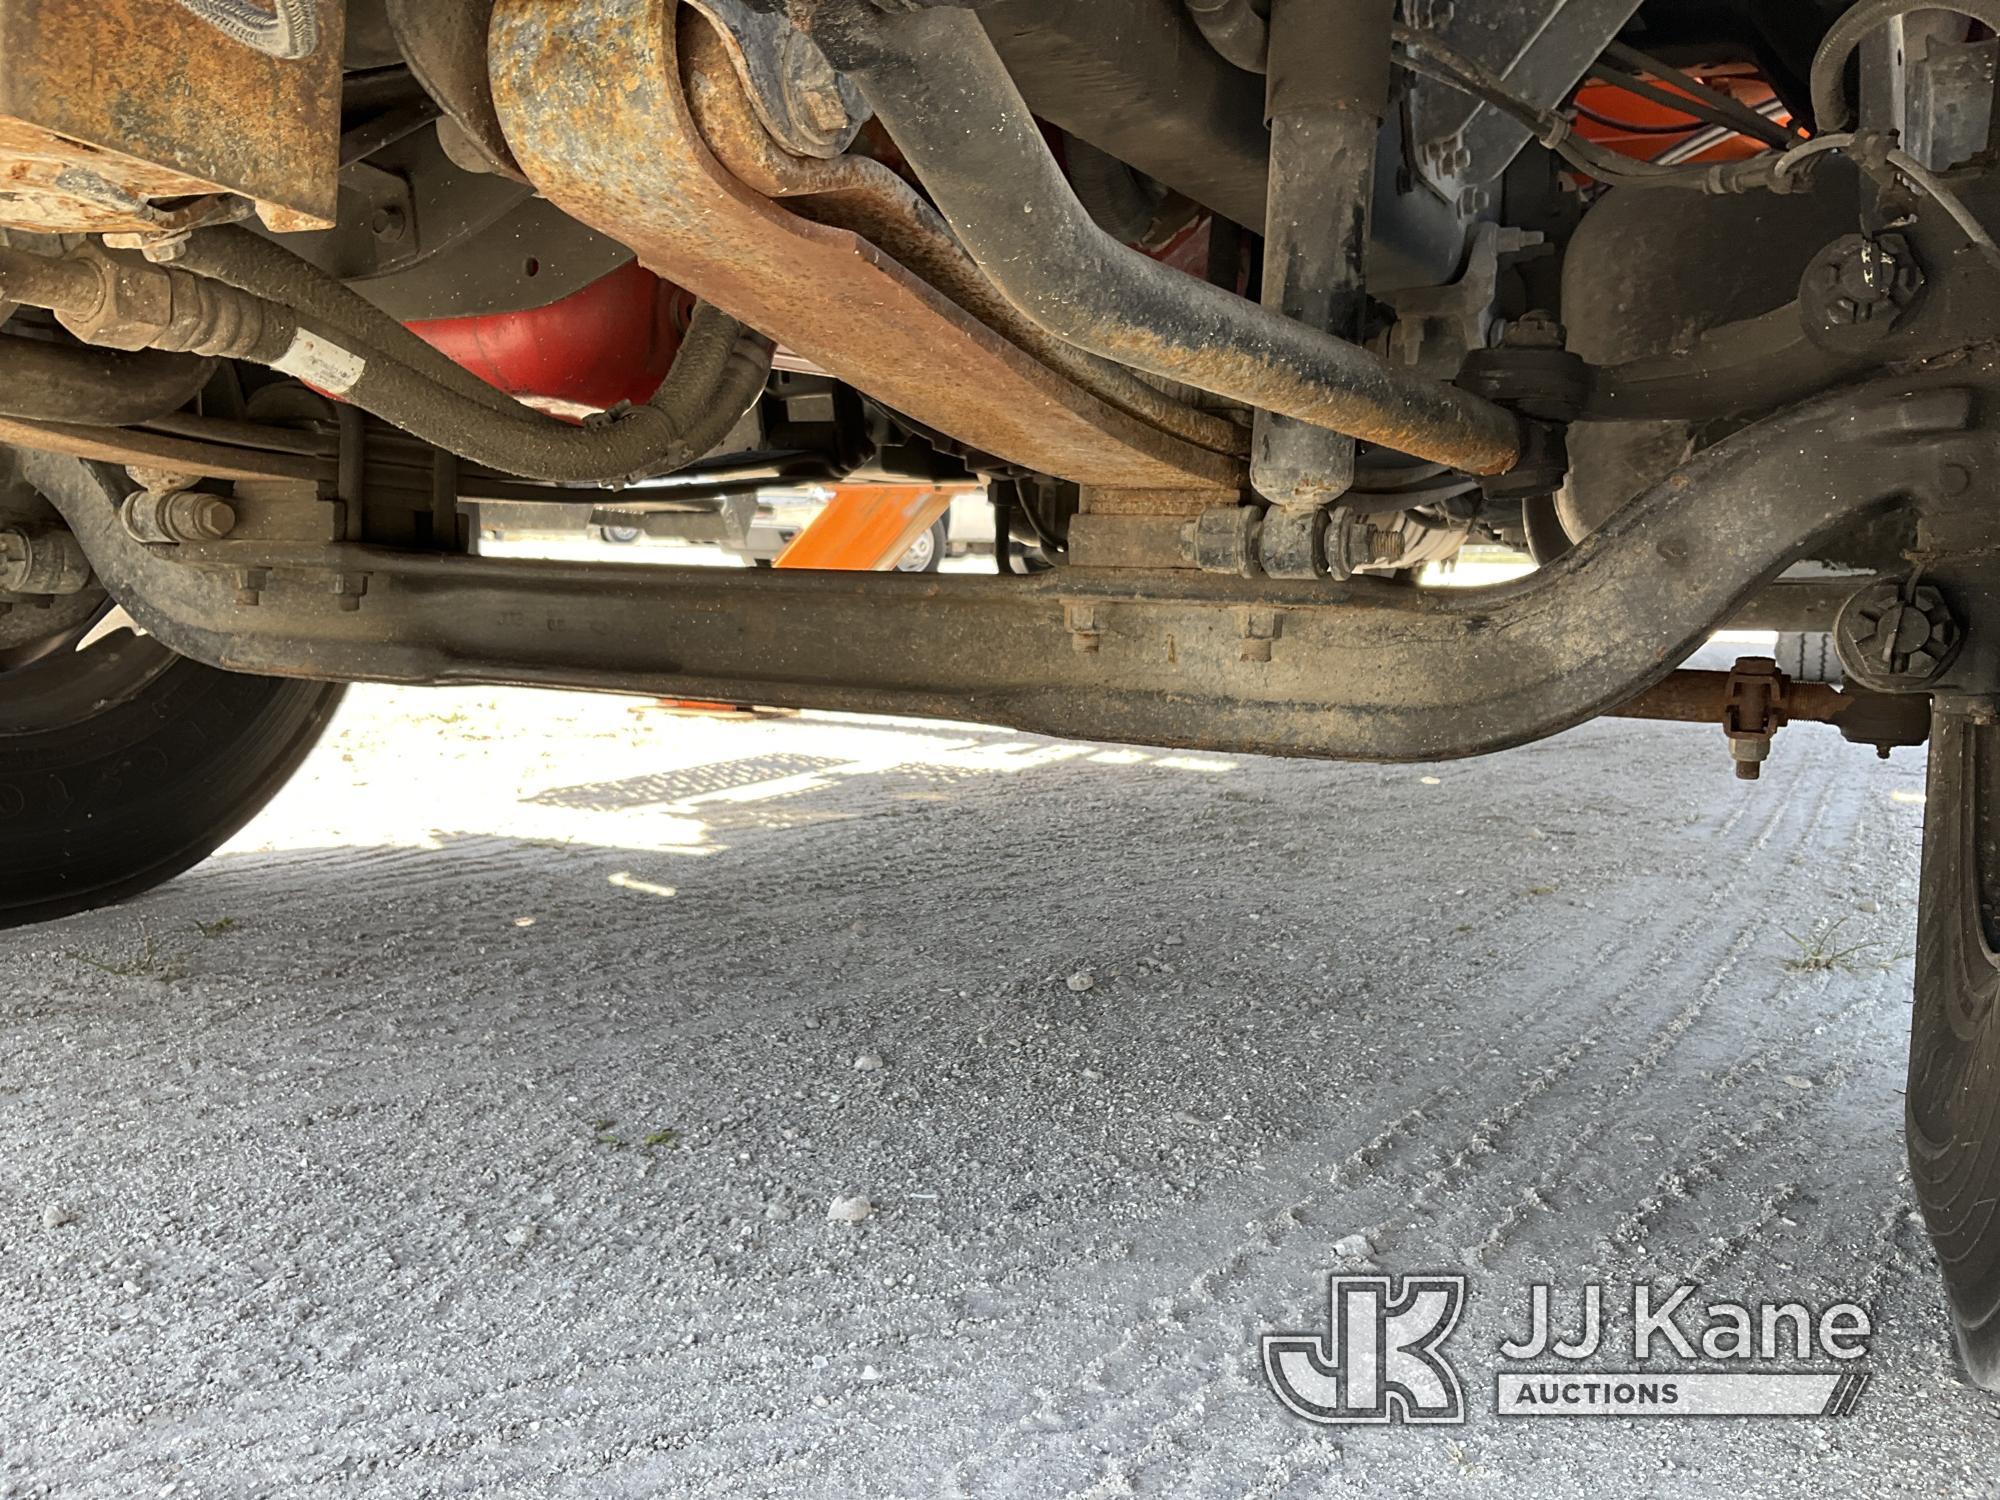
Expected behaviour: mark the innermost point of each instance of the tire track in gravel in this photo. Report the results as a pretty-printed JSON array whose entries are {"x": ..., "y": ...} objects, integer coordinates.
[
  {"x": 1586, "y": 975},
  {"x": 1305, "y": 1455},
  {"x": 1820, "y": 1047},
  {"x": 1480, "y": 1148},
  {"x": 1597, "y": 1105},
  {"x": 1674, "y": 1184},
  {"x": 1450, "y": 1167},
  {"x": 1206, "y": 1290}
]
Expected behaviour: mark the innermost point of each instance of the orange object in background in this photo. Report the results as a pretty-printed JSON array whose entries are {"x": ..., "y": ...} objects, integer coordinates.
[
  {"x": 866, "y": 528},
  {"x": 1638, "y": 127}
]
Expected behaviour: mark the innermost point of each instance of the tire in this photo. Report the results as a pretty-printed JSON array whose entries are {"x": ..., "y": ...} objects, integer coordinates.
[
  {"x": 1809, "y": 656},
  {"x": 1953, "y": 1100},
  {"x": 927, "y": 551},
  {"x": 122, "y": 765}
]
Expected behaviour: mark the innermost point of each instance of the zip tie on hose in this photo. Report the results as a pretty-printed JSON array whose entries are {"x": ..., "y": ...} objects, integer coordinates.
[{"x": 289, "y": 31}]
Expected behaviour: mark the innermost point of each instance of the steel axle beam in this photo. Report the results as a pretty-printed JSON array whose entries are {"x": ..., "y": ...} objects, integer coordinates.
[{"x": 1363, "y": 671}]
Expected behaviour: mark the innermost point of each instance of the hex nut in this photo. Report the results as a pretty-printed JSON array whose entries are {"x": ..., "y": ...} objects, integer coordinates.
[{"x": 1889, "y": 640}]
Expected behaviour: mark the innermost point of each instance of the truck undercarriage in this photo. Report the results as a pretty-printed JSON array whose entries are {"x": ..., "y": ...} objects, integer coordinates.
[{"x": 1243, "y": 313}]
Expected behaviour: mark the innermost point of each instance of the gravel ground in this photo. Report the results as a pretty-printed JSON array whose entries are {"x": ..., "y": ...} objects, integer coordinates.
[{"x": 470, "y": 1125}]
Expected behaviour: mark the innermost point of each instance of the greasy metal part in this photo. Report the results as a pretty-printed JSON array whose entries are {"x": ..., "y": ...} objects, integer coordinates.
[
  {"x": 1437, "y": 326},
  {"x": 805, "y": 105},
  {"x": 1135, "y": 79},
  {"x": 1948, "y": 117},
  {"x": 57, "y": 281},
  {"x": 1829, "y": 70},
  {"x": 1369, "y": 671},
  {"x": 174, "y": 516},
  {"x": 1325, "y": 112},
  {"x": 1750, "y": 366},
  {"x": 122, "y": 302},
  {"x": 1292, "y": 543},
  {"x": 444, "y": 42},
  {"x": 1858, "y": 290},
  {"x": 110, "y": 110},
  {"x": 1538, "y": 48},
  {"x": 41, "y": 561},
  {"x": 1235, "y": 29},
  {"x": 977, "y": 148},
  {"x": 859, "y": 194},
  {"x": 1130, "y": 541},
  {"x": 1896, "y": 634},
  {"x": 825, "y": 293},
  {"x": 1359, "y": 543},
  {"x": 1753, "y": 711},
  {"x": 64, "y": 382}
]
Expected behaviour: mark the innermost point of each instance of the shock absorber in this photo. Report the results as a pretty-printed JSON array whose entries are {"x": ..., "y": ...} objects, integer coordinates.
[{"x": 1327, "y": 90}]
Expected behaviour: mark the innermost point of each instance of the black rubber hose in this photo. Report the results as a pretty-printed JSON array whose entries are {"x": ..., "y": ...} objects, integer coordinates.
[
  {"x": 236, "y": 257},
  {"x": 1123, "y": 204},
  {"x": 44, "y": 382},
  {"x": 720, "y": 370}
]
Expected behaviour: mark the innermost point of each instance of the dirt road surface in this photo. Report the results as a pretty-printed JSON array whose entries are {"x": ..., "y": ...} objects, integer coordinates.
[{"x": 470, "y": 1125}]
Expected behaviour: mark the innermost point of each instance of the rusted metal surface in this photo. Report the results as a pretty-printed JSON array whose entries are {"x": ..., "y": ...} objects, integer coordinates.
[
  {"x": 108, "y": 106},
  {"x": 1704, "y": 697},
  {"x": 1754, "y": 701},
  {"x": 591, "y": 99},
  {"x": 119, "y": 445},
  {"x": 862, "y": 195},
  {"x": 797, "y": 94}
]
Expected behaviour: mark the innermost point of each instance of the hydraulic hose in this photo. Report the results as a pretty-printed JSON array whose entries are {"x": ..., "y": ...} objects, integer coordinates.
[
  {"x": 44, "y": 382},
  {"x": 978, "y": 149},
  {"x": 236, "y": 257},
  {"x": 721, "y": 368}
]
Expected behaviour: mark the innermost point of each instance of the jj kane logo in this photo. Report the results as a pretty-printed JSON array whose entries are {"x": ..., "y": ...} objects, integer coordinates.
[{"x": 1381, "y": 1358}]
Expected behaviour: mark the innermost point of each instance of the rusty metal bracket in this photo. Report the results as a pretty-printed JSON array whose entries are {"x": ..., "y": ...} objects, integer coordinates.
[
  {"x": 1755, "y": 700},
  {"x": 629, "y": 161}
]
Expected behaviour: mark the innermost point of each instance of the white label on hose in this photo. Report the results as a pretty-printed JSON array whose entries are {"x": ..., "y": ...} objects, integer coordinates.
[{"x": 322, "y": 363}]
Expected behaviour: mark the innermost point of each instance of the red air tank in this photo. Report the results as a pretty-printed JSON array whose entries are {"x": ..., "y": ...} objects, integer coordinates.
[{"x": 613, "y": 341}]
